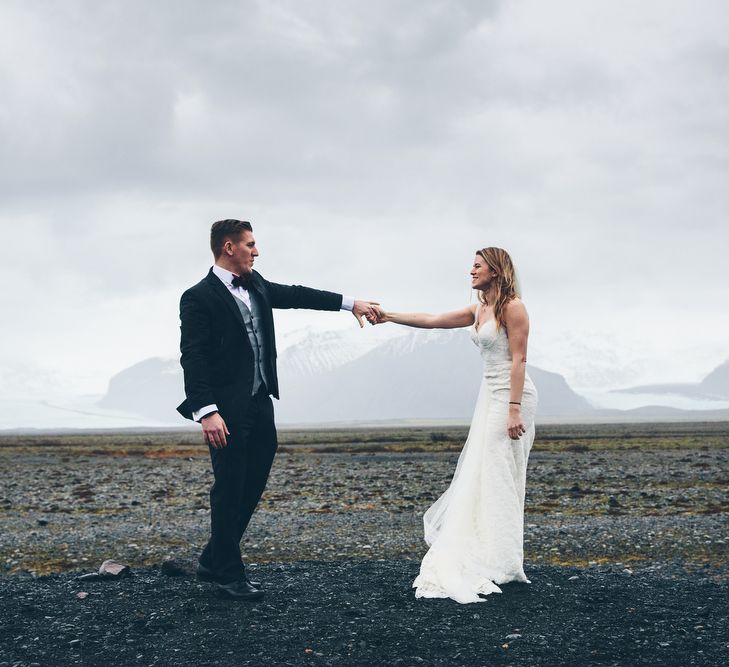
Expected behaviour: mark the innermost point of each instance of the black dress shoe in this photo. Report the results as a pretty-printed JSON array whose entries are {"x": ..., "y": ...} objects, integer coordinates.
[
  {"x": 240, "y": 590},
  {"x": 205, "y": 574}
]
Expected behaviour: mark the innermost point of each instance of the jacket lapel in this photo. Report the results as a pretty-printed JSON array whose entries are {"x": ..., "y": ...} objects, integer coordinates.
[
  {"x": 255, "y": 286},
  {"x": 222, "y": 292}
]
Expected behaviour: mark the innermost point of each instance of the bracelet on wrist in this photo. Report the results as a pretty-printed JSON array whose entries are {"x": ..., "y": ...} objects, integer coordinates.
[{"x": 514, "y": 403}]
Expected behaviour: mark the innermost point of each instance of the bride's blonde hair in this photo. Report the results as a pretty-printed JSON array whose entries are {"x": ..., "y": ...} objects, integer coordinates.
[{"x": 506, "y": 283}]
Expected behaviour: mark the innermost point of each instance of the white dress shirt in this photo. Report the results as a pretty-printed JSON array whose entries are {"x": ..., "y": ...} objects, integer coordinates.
[{"x": 226, "y": 277}]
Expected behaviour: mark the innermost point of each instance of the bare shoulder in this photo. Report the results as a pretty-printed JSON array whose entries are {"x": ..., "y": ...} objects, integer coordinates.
[
  {"x": 515, "y": 305},
  {"x": 515, "y": 310}
]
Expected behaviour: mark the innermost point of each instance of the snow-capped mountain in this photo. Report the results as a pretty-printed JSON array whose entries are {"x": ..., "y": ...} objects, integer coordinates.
[
  {"x": 307, "y": 352},
  {"x": 422, "y": 375},
  {"x": 383, "y": 373},
  {"x": 418, "y": 375},
  {"x": 598, "y": 362}
]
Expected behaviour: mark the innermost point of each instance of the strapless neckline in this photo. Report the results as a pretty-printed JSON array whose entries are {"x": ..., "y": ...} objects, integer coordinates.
[{"x": 477, "y": 329}]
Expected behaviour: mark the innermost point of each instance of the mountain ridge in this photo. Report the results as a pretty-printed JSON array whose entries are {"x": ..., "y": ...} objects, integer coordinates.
[
  {"x": 714, "y": 385},
  {"x": 431, "y": 375}
]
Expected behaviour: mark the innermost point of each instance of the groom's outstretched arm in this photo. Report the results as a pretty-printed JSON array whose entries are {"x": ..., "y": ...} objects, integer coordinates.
[{"x": 298, "y": 296}]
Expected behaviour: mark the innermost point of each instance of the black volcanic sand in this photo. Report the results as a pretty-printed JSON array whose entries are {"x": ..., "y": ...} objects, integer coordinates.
[
  {"x": 363, "y": 613},
  {"x": 638, "y": 513}
]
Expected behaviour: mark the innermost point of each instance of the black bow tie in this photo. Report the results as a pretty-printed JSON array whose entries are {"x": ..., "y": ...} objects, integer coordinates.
[{"x": 241, "y": 281}]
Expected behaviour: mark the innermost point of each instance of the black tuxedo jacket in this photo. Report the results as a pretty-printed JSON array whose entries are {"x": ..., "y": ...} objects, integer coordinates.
[{"x": 217, "y": 358}]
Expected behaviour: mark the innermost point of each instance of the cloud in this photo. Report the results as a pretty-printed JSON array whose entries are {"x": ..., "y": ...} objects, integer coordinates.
[{"x": 374, "y": 146}]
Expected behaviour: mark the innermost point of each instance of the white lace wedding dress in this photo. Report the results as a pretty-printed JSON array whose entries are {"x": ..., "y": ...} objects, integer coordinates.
[{"x": 475, "y": 530}]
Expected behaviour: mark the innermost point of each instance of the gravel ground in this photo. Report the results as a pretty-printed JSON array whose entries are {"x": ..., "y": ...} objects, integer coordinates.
[
  {"x": 363, "y": 613},
  {"x": 62, "y": 512},
  {"x": 337, "y": 541}
]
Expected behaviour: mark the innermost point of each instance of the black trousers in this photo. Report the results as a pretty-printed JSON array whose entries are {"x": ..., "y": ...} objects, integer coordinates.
[{"x": 241, "y": 471}]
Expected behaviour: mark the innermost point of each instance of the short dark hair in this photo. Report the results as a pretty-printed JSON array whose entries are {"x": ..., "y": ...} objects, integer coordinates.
[{"x": 222, "y": 230}]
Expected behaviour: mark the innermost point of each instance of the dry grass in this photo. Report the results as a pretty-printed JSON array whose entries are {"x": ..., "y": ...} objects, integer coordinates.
[{"x": 410, "y": 440}]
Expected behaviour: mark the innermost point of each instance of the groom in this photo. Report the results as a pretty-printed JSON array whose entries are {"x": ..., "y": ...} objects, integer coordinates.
[{"x": 229, "y": 361}]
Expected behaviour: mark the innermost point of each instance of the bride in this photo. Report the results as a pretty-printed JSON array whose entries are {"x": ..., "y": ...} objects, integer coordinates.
[{"x": 475, "y": 530}]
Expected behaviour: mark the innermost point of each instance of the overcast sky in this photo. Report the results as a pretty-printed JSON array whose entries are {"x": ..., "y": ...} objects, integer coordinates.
[{"x": 374, "y": 146}]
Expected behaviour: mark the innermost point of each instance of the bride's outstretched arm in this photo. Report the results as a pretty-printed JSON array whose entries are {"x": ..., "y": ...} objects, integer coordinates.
[{"x": 452, "y": 320}]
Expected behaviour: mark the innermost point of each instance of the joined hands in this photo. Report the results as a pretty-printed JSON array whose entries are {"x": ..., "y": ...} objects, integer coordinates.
[
  {"x": 366, "y": 309},
  {"x": 376, "y": 315}
]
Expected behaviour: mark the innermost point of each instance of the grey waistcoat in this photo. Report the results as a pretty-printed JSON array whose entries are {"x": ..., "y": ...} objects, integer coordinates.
[{"x": 254, "y": 329}]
